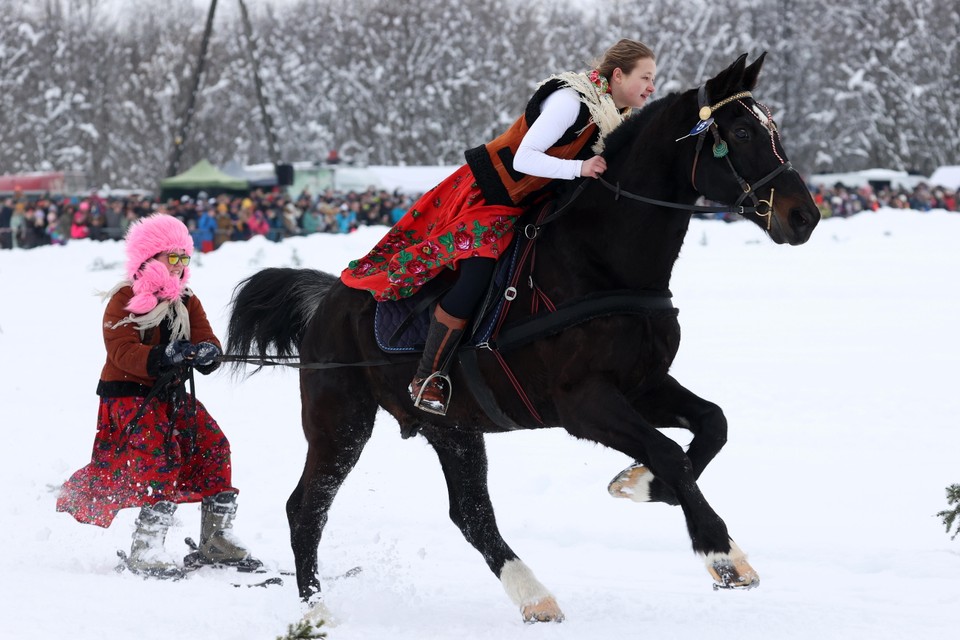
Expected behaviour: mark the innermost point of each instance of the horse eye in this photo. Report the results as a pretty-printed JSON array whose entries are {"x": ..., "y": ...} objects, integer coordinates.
[{"x": 741, "y": 133}]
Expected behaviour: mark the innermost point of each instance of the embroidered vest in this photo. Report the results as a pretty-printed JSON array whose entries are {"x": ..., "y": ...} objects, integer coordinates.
[{"x": 492, "y": 163}]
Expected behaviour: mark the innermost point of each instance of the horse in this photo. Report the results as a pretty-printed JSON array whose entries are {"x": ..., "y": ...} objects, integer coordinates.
[{"x": 603, "y": 377}]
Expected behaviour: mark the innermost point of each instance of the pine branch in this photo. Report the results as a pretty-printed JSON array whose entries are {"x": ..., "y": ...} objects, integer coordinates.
[
  {"x": 304, "y": 630},
  {"x": 952, "y": 516}
]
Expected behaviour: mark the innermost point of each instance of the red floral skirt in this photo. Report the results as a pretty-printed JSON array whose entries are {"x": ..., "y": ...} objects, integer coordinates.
[
  {"x": 449, "y": 223},
  {"x": 167, "y": 455}
]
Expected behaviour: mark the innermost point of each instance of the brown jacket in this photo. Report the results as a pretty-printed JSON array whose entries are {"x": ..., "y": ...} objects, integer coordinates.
[{"x": 131, "y": 366}]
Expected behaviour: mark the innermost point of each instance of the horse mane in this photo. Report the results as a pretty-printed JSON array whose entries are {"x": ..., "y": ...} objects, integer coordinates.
[{"x": 628, "y": 131}]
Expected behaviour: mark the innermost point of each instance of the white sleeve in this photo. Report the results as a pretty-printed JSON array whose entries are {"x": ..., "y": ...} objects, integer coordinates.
[{"x": 558, "y": 113}]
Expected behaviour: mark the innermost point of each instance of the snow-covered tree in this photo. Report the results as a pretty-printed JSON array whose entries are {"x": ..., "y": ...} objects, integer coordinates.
[{"x": 852, "y": 85}]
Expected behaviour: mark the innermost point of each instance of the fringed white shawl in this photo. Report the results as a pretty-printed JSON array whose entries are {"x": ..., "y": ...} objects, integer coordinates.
[
  {"x": 174, "y": 310},
  {"x": 603, "y": 111}
]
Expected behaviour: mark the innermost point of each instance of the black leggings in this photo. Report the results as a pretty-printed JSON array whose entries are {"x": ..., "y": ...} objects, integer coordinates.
[{"x": 462, "y": 298}]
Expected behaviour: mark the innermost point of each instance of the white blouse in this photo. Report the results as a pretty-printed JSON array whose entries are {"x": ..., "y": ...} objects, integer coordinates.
[{"x": 558, "y": 113}]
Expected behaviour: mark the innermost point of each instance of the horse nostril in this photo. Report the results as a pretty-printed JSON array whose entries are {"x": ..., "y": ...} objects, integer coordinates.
[{"x": 800, "y": 218}]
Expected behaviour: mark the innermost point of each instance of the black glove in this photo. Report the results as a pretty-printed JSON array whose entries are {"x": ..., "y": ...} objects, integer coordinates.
[
  {"x": 177, "y": 354},
  {"x": 206, "y": 354}
]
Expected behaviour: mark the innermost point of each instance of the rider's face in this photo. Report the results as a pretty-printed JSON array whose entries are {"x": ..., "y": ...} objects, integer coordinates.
[{"x": 632, "y": 89}]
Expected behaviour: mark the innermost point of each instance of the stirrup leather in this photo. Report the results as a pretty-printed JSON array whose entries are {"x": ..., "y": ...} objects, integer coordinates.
[{"x": 438, "y": 382}]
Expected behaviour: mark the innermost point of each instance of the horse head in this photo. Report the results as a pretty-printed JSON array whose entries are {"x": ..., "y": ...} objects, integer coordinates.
[{"x": 740, "y": 160}]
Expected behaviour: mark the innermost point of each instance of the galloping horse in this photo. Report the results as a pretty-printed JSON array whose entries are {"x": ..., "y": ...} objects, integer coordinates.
[{"x": 602, "y": 377}]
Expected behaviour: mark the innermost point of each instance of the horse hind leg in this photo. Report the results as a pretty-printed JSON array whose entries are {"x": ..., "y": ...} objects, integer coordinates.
[
  {"x": 336, "y": 435},
  {"x": 463, "y": 458}
]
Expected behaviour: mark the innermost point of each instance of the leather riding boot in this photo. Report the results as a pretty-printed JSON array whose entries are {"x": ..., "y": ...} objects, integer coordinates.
[
  {"x": 147, "y": 555},
  {"x": 430, "y": 388}
]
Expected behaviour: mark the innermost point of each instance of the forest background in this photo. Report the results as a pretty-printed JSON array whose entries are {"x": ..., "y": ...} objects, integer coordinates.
[{"x": 99, "y": 86}]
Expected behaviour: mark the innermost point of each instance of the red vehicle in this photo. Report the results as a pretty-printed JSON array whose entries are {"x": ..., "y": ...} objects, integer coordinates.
[{"x": 43, "y": 182}]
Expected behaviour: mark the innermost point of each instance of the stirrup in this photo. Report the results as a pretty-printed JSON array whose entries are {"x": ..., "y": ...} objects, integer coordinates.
[{"x": 443, "y": 386}]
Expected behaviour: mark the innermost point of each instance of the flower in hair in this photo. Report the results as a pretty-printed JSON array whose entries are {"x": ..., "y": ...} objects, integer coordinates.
[{"x": 602, "y": 84}]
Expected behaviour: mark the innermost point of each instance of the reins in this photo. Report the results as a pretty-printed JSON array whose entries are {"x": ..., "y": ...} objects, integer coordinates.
[{"x": 272, "y": 361}]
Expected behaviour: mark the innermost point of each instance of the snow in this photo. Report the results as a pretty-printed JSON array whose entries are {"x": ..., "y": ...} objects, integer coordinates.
[{"x": 835, "y": 363}]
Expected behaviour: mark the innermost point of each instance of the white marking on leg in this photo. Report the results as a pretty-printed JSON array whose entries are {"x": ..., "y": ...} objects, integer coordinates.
[
  {"x": 633, "y": 482},
  {"x": 735, "y": 555},
  {"x": 318, "y": 612},
  {"x": 640, "y": 491},
  {"x": 521, "y": 585},
  {"x": 731, "y": 570}
]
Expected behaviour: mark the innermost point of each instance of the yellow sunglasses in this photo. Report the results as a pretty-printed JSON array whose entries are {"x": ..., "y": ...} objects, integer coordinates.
[{"x": 174, "y": 258}]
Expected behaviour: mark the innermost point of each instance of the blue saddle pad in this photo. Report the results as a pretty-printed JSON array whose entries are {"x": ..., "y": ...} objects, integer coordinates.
[{"x": 401, "y": 325}]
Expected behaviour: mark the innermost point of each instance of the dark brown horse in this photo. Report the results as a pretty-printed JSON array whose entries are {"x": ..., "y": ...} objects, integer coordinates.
[{"x": 602, "y": 377}]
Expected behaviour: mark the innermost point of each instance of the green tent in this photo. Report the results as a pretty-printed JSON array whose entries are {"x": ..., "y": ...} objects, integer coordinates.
[{"x": 202, "y": 176}]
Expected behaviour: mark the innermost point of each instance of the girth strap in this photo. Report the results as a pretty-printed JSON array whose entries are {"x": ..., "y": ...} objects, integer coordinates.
[
  {"x": 544, "y": 324},
  {"x": 577, "y": 312}
]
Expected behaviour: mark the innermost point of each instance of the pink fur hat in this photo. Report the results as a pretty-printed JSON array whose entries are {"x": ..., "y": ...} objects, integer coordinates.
[
  {"x": 152, "y": 281},
  {"x": 156, "y": 233}
]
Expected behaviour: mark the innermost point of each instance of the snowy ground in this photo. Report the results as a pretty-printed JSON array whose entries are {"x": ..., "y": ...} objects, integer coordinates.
[{"x": 835, "y": 363}]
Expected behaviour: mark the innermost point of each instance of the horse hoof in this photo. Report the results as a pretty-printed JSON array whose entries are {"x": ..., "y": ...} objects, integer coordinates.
[
  {"x": 633, "y": 483},
  {"x": 546, "y": 610},
  {"x": 319, "y": 615},
  {"x": 730, "y": 573}
]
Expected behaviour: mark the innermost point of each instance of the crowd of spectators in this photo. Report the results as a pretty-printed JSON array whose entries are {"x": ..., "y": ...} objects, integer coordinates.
[
  {"x": 26, "y": 223},
  {"x": 844, "y": 202}
]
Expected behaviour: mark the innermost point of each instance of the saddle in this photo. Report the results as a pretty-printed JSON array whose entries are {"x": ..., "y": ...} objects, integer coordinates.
[{"x": 400, "y": 326}]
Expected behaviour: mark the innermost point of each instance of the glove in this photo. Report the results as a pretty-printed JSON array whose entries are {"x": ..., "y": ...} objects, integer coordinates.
[
  {"x": 177, "y": 353},
  {"x": 206, "y": 354}
]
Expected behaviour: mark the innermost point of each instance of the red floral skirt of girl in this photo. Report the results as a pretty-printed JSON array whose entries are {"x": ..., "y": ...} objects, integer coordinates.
[
  {"x": 168, "y": 454},
  {"x": 449, "y": 223}
]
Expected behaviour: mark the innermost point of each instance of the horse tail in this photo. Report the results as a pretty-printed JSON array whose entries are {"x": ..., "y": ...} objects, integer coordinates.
[{"x": 274, "y": 307}]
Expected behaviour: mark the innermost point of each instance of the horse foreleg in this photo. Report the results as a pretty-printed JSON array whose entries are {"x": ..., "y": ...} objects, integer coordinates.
[
  {"x": 614, "y": 422},
  {"x": 336, "y": 435},
  {"x": 463, "y": 458},
  {"x": 672, "y": 405}
]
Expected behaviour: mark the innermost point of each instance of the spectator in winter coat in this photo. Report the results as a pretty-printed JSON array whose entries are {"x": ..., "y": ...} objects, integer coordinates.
[
  {"x": 17, "y": 222},
  {"x": 6, "y": 213},
  {"x": 347, "y": 218},
  {"x": 313, "y": 222},
  {"x": 291, "y": 219},
  {"x": 257, "y": 223},
  {"x": 206, "y": 230},
  {"x": 224, "y": 225},
  {"x": 80, "y": 228},
  {"x": 156, "y": 445},
  {"x": 53, "y": 228}
]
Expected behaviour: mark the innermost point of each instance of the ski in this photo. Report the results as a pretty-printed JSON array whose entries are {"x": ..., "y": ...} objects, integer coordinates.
[
  {"x": 193, "y": 565},
  {"x": 278, "y": 581},
  {"x": 193, "y": 561},
  {"x": 266, "y": 583}
]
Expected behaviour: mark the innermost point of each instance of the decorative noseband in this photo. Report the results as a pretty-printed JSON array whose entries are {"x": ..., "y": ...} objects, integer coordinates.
[{"x": 707, "y": 111}]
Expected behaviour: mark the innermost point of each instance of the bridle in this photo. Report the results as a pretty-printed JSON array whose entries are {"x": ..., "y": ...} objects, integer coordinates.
[{"x": 763, "y": 208}]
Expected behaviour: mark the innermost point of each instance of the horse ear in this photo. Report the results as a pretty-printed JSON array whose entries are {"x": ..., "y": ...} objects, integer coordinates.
[
  {"x": 750, "y": 73},
  {"x": 729, "y": 80}
]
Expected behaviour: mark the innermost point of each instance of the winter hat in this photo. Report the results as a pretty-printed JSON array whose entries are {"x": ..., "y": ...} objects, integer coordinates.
[{"x": 152, "y": 281}]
